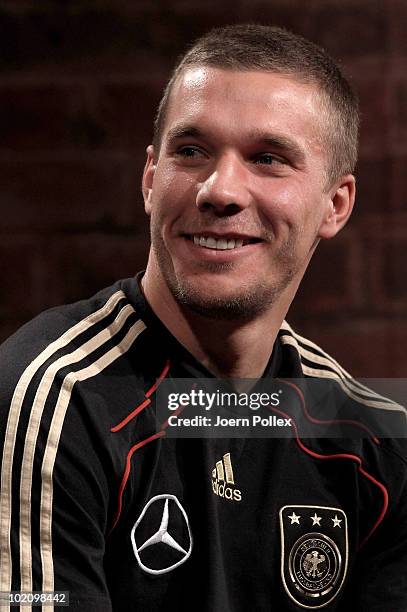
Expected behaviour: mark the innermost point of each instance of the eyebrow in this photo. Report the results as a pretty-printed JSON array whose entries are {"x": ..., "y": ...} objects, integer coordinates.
[
  {"x": 276, "y": 141},
  {"x": 183, "y": 131}
]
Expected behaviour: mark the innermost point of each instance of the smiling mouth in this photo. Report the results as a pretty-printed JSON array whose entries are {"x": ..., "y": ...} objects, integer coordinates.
[{"x": 222, "y": 244}]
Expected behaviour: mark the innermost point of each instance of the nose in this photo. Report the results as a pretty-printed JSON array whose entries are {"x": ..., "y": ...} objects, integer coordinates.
[{"x": 225, "y": 191}]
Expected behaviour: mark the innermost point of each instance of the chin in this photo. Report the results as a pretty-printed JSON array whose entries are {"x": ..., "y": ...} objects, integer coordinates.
[{"x": 242, "y": 305}]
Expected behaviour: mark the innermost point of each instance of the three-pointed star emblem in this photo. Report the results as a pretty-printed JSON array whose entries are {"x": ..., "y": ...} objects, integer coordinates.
[{"x": 162, "y": 535}]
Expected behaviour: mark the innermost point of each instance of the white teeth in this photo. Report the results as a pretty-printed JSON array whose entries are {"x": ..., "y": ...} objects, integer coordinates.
[
  {"x": 211, "y": 243},
  {"x": 221, "y": 244}
]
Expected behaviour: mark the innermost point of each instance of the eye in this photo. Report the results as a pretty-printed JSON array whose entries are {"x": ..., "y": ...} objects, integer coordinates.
[
  {"x": 189, "y": 151},
  {"x": 268, "y": 159},
  {"x": 190, "y": 156}
]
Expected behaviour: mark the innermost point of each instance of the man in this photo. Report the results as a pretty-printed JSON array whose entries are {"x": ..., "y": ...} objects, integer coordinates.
[{"x": 251, "y": 166}]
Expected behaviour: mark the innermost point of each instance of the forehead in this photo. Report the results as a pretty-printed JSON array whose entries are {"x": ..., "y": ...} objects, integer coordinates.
[{"x": 245, "y": 101}]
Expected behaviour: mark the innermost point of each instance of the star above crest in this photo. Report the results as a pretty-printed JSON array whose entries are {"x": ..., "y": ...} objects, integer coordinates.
[
  {"x": 337, "y": 522},
  {"x": 316, "y": 520},
  {"x": 294, "y": 518}
]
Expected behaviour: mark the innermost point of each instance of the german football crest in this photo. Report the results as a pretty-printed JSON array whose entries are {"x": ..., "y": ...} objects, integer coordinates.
[{"x": 314, "y": 553}]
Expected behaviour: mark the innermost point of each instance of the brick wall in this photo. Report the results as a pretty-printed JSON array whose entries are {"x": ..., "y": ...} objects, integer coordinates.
[{"x": 79, "y": 82}]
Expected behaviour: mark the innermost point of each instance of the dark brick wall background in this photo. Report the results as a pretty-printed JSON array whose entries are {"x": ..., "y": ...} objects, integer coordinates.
[{"x": 79, "y": 83}]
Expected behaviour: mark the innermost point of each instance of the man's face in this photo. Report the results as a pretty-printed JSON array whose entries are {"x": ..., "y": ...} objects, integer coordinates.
[{"x": 236, "y": 196}]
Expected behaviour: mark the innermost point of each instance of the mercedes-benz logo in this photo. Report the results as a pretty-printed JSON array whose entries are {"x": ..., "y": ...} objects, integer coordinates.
[{"x": 162, "y": 536}]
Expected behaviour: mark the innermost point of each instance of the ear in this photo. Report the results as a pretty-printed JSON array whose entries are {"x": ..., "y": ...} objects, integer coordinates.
[
  {"x": 148, "y": 177},
  {"x": 340, "y": 205}
]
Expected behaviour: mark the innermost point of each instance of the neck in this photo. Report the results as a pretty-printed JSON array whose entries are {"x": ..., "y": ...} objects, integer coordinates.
[{"x": 228, "y": 349}]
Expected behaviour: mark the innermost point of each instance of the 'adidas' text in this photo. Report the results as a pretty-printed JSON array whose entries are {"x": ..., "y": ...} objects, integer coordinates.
[{"x": 223, "y": 480}]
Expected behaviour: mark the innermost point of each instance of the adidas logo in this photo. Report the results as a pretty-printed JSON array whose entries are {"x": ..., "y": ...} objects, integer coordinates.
[{"x": 223, "y": 480}]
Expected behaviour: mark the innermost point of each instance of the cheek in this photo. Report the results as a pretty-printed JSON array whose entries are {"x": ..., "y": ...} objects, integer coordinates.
[
  {"x": 282, "y": 206},
  {"x": 283, "y": 196},
  {"x": 299, "y": 201},
  {"x": 295, "y": 211},
  {"x": 172, "y": 192}
]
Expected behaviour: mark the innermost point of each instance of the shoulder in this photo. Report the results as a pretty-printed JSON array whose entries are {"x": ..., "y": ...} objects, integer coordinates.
[
  {"x": 76, "y": 329},
  {"x": 314, "y": 360},
  {"x": 368, "y": 406}
]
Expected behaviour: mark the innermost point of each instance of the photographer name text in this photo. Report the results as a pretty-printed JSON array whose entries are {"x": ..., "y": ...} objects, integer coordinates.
[{"x": 252, "y": 421}]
